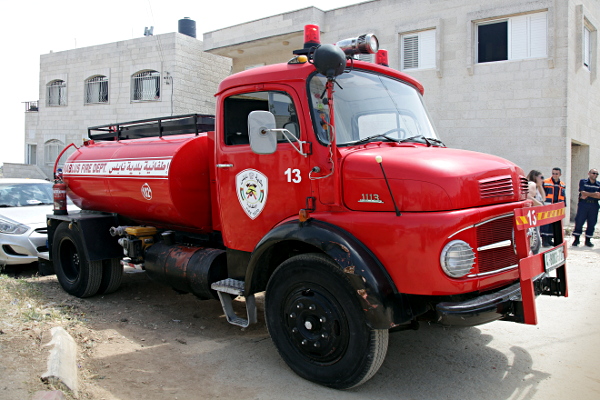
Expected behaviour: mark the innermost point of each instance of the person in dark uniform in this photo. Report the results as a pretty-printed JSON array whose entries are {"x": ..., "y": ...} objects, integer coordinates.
[
  {"x": 555, "y": 190},
  {"x": 587, "y": 208}
]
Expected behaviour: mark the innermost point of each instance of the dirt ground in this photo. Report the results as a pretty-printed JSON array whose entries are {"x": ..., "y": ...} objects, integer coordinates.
[{"x": 148, "y": 342}]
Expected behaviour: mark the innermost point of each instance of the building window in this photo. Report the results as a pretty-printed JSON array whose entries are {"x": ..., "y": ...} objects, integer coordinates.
[
  {"x": 145, "y": 86},
  {"x": 418, "y": 50},
  {"x": 514, "y": 38},
  {"x": 57, "y": 93},
  {"x": 51, "y": 150},
  {"x": 31, "y": 156},
  {"x": 96, "y": 90},
  {"x": 587, "y": 48}
]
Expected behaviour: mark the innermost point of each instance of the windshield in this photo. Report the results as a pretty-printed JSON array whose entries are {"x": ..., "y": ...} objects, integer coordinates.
[
  {"x": 368, "y": 107},
  {"x": 25, "y": 194}
]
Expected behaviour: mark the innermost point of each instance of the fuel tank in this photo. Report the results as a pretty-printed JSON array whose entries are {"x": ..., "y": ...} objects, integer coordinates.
[{"x": 162, "y": 181}]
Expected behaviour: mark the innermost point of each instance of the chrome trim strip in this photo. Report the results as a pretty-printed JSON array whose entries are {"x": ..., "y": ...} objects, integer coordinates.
[
  {"x": 495, "y": 218},
  {"x": 504, "y": 243},
  {"x": 482, "y": 223},
  {"x": 493, "y": 272}
]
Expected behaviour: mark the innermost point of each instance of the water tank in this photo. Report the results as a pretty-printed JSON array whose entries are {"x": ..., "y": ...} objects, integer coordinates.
[
  {"x": 187, "y": 26},
  {"x": 163, "y": 182}
]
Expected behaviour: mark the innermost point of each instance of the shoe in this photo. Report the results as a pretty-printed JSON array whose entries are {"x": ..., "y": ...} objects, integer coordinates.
[
  {"x": 576, "y": 241},
  {"x": 588, "y": 242}
]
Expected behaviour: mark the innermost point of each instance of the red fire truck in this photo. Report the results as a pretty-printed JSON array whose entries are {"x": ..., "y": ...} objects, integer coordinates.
[{"x": 323, "y": 183}]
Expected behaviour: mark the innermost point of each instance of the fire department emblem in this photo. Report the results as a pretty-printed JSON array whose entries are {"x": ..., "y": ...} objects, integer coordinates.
[{"x": 252, "y": 191}]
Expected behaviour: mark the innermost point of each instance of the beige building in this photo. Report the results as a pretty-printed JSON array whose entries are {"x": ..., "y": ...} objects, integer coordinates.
[
  {"x": 147, "y": 77},
  {"x": 513, "y": 78}
]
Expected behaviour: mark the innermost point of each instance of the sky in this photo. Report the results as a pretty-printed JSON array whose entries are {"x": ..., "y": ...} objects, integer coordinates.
[{"x": 31, "y": 28}]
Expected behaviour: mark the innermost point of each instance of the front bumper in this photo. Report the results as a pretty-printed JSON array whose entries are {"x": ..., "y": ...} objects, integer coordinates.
[
  {"x": 482, "y": 309},
  {"x": 509, "y": 303},
  {"x": 23, "y": 249}
]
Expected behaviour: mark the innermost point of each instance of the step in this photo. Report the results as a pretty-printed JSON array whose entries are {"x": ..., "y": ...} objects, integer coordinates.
[{"x": 228, "y": 289}]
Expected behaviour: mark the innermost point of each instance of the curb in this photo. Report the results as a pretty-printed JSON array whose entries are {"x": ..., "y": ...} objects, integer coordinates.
[{"x": 62, "y": 365}]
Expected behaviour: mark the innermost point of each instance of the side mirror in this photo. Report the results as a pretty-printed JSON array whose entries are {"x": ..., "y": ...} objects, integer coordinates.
[{"x": 263, "y": 140}]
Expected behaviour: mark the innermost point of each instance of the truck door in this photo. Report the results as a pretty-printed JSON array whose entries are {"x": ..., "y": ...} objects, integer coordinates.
[{"x": 258, "y": 191}]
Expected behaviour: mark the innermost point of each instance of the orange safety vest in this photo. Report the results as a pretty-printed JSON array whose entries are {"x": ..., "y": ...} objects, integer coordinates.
[{"x": 550, "y": 187}]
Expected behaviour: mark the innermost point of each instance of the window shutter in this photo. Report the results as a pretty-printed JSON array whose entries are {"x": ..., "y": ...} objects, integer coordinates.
[
  {"x": 537, "y": 35},
  {"x": 518, "y": 38},
  {"x": 410, "y": 53},
  {"x": 427, "y": 49},
  {"x": 586, "y": 47}
]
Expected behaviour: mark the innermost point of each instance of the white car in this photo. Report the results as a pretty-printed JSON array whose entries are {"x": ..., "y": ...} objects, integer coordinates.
[{"x": 24, "y": 204}]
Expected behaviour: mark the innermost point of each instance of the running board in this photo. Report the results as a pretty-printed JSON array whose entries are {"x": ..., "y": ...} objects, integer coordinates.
[{"x": 228, "y": 289}]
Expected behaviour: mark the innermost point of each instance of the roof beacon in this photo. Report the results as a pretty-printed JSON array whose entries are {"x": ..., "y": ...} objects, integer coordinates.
[
  {"x": 312, "y": 36},
  {"x": 381, "y": 58}
]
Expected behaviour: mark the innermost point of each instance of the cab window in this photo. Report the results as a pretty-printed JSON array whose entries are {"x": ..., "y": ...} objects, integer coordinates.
[{"x": 238, "y": 107}]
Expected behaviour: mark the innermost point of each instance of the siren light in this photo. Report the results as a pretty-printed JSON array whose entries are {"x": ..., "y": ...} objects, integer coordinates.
[
  {"x": 381, "y": 58},
  {"x": 312, "y": 36}
]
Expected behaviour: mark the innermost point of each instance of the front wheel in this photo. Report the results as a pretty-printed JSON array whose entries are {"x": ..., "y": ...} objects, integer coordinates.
[{"x": 316, "y": 322}]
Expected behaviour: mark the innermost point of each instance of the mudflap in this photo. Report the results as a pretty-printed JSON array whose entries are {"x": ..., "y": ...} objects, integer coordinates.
[{"x": 544, "y": 273}]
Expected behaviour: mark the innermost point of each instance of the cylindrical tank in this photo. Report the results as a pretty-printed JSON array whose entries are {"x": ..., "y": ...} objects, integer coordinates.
[
  {"x": 187, "y": 26},
  {"x": 159, "y": 181}
]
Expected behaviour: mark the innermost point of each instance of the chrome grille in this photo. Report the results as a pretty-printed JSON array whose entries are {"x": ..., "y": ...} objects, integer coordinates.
[
  {"x": 498, "y": 232},
  {"x": 496, "y": 187}
]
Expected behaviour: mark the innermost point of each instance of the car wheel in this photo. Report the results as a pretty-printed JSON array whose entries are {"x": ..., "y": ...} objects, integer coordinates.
[
  {"x": 112, "y": 275},
  {"x": 316, "y": 322},
  {"x": 76, "y": 274}
]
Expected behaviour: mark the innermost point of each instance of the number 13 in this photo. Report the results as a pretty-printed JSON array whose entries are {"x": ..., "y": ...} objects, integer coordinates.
[{"x": 297, "y": 178}]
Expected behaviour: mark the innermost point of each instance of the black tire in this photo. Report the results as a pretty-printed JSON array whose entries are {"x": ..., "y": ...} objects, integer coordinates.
[
  {"x": 76, "y": 274},
  {"x": 112, "y": 275},
  {"x": 316, "y": 322}
]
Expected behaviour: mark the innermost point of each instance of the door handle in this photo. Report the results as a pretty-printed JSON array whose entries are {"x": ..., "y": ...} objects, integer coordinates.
[{"x": 224, "y": 165}]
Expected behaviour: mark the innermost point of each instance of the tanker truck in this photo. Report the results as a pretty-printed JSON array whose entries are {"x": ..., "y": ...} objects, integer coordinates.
[{"x": 322, "y": 183}]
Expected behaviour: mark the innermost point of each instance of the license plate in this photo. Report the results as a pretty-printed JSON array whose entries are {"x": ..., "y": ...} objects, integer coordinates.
[{"x": 554, "y": 258}]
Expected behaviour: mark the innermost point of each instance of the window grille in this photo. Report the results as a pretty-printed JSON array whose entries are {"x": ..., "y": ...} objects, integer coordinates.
[
  {"x": 57, "y": 93},
  {"x": 96, "y": 90},
  {"x": 51, "y": 150},
  {"x": 146, "y": 86}
]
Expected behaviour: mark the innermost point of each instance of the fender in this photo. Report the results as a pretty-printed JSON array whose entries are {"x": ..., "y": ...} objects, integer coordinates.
[
  {"x": 94, "y": 228},
  {"x": 383, "y": 305}
]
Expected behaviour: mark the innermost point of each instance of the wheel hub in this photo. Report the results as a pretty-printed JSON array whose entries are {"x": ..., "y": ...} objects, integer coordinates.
[{"x": 313, "y": 320}]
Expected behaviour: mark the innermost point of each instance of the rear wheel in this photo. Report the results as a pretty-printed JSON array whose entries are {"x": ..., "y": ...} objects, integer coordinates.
[
  {"x": 316, "y": 322},
  {"x": 76, "y": 274},
  {"x": 112, "y": 275}
]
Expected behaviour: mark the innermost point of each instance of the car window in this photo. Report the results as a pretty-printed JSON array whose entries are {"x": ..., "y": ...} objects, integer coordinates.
[{"x": 25, "y": 194}]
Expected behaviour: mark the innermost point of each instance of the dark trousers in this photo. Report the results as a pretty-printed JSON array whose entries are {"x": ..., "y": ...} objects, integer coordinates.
[{"x": 586, "y": 211}]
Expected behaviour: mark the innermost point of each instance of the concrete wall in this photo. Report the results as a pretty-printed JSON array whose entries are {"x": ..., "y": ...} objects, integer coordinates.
[
  {"x": 583, "y": 107},
  {"x": 189, "y": 80}
]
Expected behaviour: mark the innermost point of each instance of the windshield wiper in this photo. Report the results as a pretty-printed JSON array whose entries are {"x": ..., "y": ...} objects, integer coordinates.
[
  {"x": 436, "y": 141},
  {"x": 366, "y": 139}
]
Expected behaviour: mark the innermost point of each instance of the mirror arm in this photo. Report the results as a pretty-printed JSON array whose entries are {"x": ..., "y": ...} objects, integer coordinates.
[{"x": 287, "y": 134}]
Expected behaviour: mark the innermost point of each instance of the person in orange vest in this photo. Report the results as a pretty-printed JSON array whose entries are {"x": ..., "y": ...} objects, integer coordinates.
[{"x": 555, "y": 190}]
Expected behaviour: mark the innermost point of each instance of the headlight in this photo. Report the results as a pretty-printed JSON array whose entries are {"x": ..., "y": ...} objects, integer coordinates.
[
  {"x": 457, "y": 259},
  {"x": 11, "y": 227}
]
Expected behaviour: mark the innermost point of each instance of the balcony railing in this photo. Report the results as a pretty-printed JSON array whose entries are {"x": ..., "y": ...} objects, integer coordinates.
[{"x": 31, "y": 106}]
